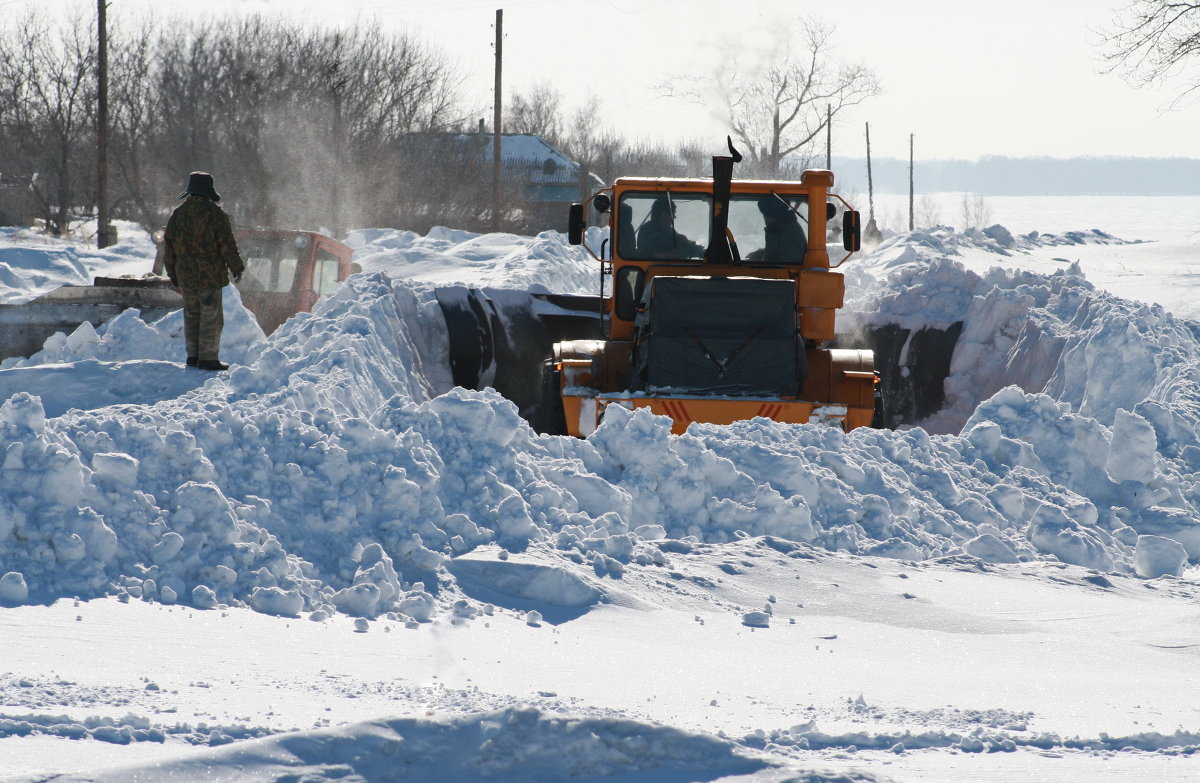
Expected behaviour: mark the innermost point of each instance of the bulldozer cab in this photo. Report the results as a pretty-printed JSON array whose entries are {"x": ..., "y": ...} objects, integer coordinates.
[
  {"x": 772, "y": 229},
  {"x": 288, "y": 271}
]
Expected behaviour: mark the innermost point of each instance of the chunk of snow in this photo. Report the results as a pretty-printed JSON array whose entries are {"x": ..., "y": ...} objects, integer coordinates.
[
  {"x": 524, "y": 578},
  {"x": 1134, "y": 447},
  {"x": 756, "y": 619},
  {"x": 1155, "y": 556},
  {"x": 203, "y": 597},
  {"x": 276, "y": 601},
  {"x": 13, "y": 589},
  {"x": 990, "y": 548}
]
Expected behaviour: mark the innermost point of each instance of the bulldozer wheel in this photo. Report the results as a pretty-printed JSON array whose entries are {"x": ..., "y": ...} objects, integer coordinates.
[
  {"x": 548, "y": 417},
  {"x": 877, "y": 419}
]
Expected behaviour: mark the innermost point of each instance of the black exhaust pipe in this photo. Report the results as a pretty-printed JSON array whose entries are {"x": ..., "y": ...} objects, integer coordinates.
[{"x": 720, "y": 250}]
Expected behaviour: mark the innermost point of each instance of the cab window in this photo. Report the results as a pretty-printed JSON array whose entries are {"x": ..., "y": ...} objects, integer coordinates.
[
  {"x": 629, "y": 282},
  {"x": 663, "y": 225},
  {"x": 770, "y": 228},
  {"x": 325, "y": 275}
]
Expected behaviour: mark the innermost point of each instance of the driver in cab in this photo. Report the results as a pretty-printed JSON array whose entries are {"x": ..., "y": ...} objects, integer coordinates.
[
  {"x": 784, "y": 240},
  {"x": 657, "y": 238}
]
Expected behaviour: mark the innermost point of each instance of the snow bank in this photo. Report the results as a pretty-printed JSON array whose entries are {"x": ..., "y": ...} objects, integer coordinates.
[
  {"x": 126, "y": 337},
  {"x": 908, "y": 248},
  {"x": 32, "y": 263},
  {"x": 336, "y": 470},
  {"x": 517, "y": 744},
  {"x": 446, "y": 256}
]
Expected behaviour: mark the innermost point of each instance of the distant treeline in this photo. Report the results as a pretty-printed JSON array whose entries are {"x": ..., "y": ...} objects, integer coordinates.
[
  {"x": 301, "y": 127},
  {"x": 1003, "y": 176}
]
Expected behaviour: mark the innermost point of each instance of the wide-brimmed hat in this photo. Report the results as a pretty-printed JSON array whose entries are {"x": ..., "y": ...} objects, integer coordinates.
[
  {"x": 661, "y": 206},
  {"x": 200, "y": 183},
  {"x": 773, "y": 207}
]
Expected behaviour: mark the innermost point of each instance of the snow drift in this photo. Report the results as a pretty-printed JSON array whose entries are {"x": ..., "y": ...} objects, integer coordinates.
[{"x": 334, "y": 469}]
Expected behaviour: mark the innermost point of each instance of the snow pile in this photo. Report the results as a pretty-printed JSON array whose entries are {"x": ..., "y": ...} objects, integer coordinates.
[
  {"x": 516, "y": 744},
  {"x": 980, "y": 740},
  {"x": 32, "y": 264},
  {"x": 545, "y": 263},
  {"x": 126, "y": 337},
  {"x": 897, "y": 249},
  {"x": 124, "y": 730},
  {"x": 336, "y": 470}
]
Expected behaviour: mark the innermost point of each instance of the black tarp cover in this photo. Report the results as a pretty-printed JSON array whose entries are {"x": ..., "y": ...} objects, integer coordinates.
[{"x": 719, "y": 336}]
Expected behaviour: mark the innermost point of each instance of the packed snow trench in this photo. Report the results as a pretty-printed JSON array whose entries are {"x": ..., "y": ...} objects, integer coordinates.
[{"x": 328, "y": 563}]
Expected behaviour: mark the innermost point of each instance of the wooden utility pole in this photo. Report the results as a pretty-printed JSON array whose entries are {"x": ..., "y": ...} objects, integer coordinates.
[
  {"x": 870, "y": 181},
  {"x": 339, "y": 152},
  {"x": 829, "y": 136},
  {"x": 910, "y": 182},
  {"x": 496, "y": 122},
  {"x": 871, "y": 234},
  {"x": 104, "y": 236}
]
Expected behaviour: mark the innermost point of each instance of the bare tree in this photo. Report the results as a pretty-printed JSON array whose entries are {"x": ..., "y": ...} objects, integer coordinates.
[
  {"x": 536, "y": 111},
  {"x": 134, "y": 112},
  {"x": 586, "y": 138},
  {"x": 976, "y": 211},
  {"x": 302, "y": 125},
  {"x": 1151, "y": 40},
  {"x": 584, "y": 130},
  {"x": 929, "y": 212},
  {"x": 780, "y": 107},
  {"x": 47, "y": 111}
]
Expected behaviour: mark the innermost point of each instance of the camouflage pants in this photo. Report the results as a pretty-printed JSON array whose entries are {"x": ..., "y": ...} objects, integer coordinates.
[{"x": 203, "y": 320}]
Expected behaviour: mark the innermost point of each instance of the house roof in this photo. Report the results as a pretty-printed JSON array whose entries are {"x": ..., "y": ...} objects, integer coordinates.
[{"x": 532, "y": 159}]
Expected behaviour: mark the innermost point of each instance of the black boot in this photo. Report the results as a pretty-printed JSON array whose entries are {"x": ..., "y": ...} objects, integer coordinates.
[
  {"x": 211, "y": 364},
  {"x": 192, "y": 361}
]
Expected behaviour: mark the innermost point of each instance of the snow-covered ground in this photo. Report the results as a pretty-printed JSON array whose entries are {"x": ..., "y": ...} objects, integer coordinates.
[{"x": 328, "y": 564}]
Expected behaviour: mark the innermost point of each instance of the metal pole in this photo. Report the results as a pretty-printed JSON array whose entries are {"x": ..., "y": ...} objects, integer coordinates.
[
  {"x": 103, "y": 233},
  {"x": 496, "y": 123}
]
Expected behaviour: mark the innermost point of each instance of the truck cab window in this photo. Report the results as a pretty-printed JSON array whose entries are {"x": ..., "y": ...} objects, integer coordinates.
[
  {"x": 770, "y": 228},
  {"x": 665, "y": 225},
  {"x": 629, "y": 283},
  {"x": 325, "y": 275}
]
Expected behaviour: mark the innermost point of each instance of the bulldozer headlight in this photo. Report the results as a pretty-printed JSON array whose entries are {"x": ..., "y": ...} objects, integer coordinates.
[
  {"x": 302, "y": 242},
  {"x": 602, "y": 202},
  {"x": 158, "y": 236}
]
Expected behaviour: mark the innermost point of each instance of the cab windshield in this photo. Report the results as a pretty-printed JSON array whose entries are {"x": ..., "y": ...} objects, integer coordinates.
[{"x": 769, "y": 228}]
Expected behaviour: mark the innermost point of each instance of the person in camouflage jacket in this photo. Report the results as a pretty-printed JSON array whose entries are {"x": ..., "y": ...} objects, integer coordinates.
[{"x": 200, "y": 255}]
